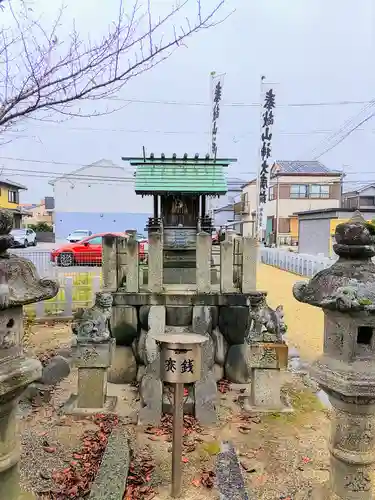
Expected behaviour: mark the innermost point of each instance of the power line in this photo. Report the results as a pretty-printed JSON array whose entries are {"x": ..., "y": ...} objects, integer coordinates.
[
  {"x": 66, "y": 175},
  {"x": 53, "y": 162},
  {"x": 181, "y": 132},
  {"x": 238, "y": 104},
  {"x": 343, "y": 128},
  {"x": 345, "y": 136}
]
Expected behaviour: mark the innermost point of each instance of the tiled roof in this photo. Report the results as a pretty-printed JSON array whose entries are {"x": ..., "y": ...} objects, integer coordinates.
[
  {"x": 189, "y": 178},
  {"x": 303, "y": 167}
]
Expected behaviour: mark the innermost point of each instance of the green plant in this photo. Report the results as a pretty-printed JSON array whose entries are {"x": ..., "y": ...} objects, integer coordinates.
[
  {"x": 371, "y": 227},
  {"x": 41, "y": 227}
]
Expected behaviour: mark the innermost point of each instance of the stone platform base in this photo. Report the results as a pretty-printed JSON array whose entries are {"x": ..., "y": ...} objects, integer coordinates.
[
  {"x": 71, "y": 408},
  {"x": 286, "y": 406}
]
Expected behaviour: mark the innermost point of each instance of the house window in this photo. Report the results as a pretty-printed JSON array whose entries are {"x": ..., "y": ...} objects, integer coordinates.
[
  {"x": 319, "y": 191},
  {"x": 271, "y": 193},
  {"x": 299, "y": 191},
  {"x": 13, "y": 196}
]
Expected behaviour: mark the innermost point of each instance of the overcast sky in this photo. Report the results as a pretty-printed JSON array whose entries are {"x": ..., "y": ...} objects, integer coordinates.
[{"x": 316, "y": 51}]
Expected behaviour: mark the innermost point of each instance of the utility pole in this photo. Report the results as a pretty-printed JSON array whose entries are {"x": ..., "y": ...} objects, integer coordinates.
[
  {"x": 343, "y": 175},
  {"x": 277, "y": 211}
]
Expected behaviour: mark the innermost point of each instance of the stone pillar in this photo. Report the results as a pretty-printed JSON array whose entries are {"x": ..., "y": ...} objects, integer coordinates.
[
  {"x": 346, "y": 370},
  {"x": 155, "y": 262},
  {"x": 109, "y": 263},
  {"x": 19, "y": 285},
  {"x": 249, "y": 264},
  {"x": 151, "y": 386},
  {"x": 121, "y": 261},
  {"x": 92, "y": 360},
  {"x": 226, "y": 267},
  {"x": 204, "y": 247},
  {"x": 132, "y": 275}
]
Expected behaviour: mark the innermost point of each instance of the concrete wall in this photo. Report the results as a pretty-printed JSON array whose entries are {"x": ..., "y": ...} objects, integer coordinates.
[
  {"x": 314, "y": 237},
  {"x": 66, "y": 222}
]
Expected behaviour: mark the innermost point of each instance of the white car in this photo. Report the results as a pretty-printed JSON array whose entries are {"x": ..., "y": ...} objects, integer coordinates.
[
  {"x": 23, "y": 237},
  {"x": 78, "y": 235}
]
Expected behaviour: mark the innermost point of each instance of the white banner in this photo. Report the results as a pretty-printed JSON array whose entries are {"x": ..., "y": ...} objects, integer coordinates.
[
  {"x": 267, "y": 121},
  {"x": 217, "y": 83}
]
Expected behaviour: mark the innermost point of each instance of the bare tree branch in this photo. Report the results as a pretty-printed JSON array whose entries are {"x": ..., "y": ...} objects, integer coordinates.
[{"x": 40, "y": 72}]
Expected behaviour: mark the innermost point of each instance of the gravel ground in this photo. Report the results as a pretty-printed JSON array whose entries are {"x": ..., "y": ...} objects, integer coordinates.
[
  {"x": 305, "y": 323},
  {"x": 49, "y": 439}
]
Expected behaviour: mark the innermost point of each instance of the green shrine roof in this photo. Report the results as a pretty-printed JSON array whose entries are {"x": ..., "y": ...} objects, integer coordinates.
[{"x": 180, "y": 175}]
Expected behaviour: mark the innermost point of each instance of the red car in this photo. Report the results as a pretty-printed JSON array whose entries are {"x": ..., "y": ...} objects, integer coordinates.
[{"x": 87, "y": 251}]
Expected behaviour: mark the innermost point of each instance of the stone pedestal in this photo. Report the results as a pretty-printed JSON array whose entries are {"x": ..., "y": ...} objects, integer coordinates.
[
  {"x": 15, "y": 375},
  {"x": 92, "y": 360},
  {"x": 266, "y": 360}
]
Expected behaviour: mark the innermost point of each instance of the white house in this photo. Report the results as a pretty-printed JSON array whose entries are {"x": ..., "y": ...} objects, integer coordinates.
[{"x": 100, "y": 198}]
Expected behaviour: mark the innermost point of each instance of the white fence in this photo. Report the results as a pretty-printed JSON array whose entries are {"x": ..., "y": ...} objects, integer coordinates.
[{"x": 299, "y": 263}]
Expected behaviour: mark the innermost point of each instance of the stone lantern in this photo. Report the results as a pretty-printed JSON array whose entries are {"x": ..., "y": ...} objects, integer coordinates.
[
  {"x": 19, "y": 285},
  {"x": 346, "y": 370}
]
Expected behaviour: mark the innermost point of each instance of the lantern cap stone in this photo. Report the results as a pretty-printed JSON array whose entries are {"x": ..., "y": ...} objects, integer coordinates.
[
  {"x": 179, "y": 338},
  {"x": 349, "y": 284},
  {"x": 20, "y": 283}
]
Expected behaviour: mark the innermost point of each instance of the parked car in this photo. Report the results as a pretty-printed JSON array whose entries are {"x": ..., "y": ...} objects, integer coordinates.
[
  {"x": 23, "y": 237},
  {"x": 85, "y": 252},
  {"x": 78, "y": 235},
  {"x": 215, "y": 238}
]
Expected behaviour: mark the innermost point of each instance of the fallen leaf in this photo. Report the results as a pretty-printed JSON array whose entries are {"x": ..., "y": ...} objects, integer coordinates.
[
  {"x": 49, "y": 449},
  {"x": 244, "y": 429},
  {"x": 208, "y": 479}
]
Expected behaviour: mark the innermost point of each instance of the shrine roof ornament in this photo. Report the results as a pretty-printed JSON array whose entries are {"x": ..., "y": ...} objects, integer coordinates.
[
  {"x": 192, "y": 175},
  {"x": 349, "y": 284}
]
